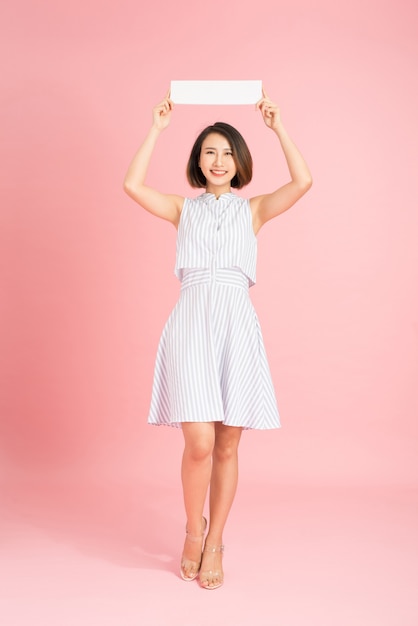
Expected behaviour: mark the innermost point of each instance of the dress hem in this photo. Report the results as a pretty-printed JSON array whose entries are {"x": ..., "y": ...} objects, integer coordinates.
[{"x": 179, "y": 425}]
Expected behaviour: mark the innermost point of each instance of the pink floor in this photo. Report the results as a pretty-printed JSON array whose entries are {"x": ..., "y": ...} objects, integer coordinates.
[{"x": 107, "y": 554}]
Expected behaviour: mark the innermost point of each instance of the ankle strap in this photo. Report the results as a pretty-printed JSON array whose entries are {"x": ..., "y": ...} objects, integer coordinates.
[
  {"x": 220, "y": 548},
  {"x": 198, "y": 537},
  {"x": 195, "y": 537}
]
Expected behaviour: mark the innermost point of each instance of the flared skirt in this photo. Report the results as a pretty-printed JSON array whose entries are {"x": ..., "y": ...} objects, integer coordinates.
[{"x": 211, "y": 363}]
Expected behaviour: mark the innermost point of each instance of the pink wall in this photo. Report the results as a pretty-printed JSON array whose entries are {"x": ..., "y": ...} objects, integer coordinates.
[{"x": 86, "y": 275}]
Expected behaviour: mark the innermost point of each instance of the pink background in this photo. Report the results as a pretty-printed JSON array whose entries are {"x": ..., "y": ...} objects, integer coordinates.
[{"x": 87, "y": 276}]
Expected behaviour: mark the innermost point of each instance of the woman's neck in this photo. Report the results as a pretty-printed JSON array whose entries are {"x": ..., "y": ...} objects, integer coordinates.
[{"x": 218, "y": 191}]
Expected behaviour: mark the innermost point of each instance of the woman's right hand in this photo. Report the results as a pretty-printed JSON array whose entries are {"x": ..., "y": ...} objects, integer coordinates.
[{"x": 162, "y": 113}]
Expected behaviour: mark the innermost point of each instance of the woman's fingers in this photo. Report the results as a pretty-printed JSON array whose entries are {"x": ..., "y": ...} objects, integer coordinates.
[
  {"x": 164, "y": 106},
  {"x": 269, "y": 110},
  {"x": 266, "y": 106},
  {"x": 162, "y": 112},
  {"x": 264, "y": 103}
]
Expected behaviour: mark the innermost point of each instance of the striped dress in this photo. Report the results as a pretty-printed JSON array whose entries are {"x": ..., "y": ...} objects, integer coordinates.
[{"x": 211, "y": 364}]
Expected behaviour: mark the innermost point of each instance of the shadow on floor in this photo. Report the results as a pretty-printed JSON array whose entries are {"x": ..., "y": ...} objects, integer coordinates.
[{"x": 127, "y": 524}]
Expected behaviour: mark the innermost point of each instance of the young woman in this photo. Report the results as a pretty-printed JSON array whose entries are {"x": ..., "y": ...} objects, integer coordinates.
[{"x": 211, "y": 375}]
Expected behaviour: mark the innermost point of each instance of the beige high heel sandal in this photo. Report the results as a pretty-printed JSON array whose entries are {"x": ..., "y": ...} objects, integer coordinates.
[
  {"x": 187, "y": 563},
  {"x": 209, "y": 575}
]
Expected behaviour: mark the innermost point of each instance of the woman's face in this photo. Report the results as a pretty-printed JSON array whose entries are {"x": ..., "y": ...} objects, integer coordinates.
[{"x": 217, "y": 163}]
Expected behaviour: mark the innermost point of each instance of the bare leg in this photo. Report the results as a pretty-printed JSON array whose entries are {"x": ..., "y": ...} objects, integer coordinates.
[
  {"x": 195, "y": 474},
  {"x": 223, "y": 487}
]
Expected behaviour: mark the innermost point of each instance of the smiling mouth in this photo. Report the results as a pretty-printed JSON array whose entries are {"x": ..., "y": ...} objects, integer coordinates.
[{"x": 218, "y": 172}]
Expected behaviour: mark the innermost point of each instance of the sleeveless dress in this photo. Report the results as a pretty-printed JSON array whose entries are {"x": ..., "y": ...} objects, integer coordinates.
[{"x": 211, "y": 364}]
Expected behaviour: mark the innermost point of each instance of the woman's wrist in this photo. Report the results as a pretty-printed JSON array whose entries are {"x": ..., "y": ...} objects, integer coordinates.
[
  {"x": 278, "y": 128},
  {"x": 155, "y": 129}
]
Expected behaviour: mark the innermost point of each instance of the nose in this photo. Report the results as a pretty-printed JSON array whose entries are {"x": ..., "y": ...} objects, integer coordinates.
[{"x": 218, "y": 158}]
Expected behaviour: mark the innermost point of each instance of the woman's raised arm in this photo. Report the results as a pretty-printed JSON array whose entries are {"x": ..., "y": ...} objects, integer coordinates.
[
  {"x": 166, "y": 206},
  {"x": 267, "y": 206}
]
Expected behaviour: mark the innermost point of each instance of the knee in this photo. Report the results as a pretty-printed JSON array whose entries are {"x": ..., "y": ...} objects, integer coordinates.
[
  {"x": 225, "y": 449},
  {"x": 199, "y": 450}
]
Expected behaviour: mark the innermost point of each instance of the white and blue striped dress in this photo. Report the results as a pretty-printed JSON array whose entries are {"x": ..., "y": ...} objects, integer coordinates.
[{"x": 211, "y": 363}]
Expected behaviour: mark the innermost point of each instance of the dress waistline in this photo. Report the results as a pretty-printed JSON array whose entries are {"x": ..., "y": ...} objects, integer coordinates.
[{"x": 231, "y": 276}]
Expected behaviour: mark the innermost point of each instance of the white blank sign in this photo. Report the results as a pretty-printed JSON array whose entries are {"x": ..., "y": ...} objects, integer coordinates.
[{"x": 216, "y": 91}]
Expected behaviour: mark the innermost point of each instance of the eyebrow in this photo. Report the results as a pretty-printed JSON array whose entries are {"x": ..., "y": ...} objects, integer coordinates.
[{"x": 211, "y": 148}]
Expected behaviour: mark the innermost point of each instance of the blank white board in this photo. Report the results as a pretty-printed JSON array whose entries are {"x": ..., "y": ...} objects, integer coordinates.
[{"x": 215, "y": 91}]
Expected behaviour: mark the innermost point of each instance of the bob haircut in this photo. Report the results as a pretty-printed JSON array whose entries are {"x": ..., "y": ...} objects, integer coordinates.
[{"x": 240, "y": 152}]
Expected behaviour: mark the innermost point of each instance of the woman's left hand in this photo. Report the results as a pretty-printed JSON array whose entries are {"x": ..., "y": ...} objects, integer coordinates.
[{"x": 269, "y": 110}]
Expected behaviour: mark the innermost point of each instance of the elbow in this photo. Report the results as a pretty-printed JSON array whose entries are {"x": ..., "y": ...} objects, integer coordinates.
[
  {"x": 306, "y": 184},
  {"x": 127, "y": 187}
]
